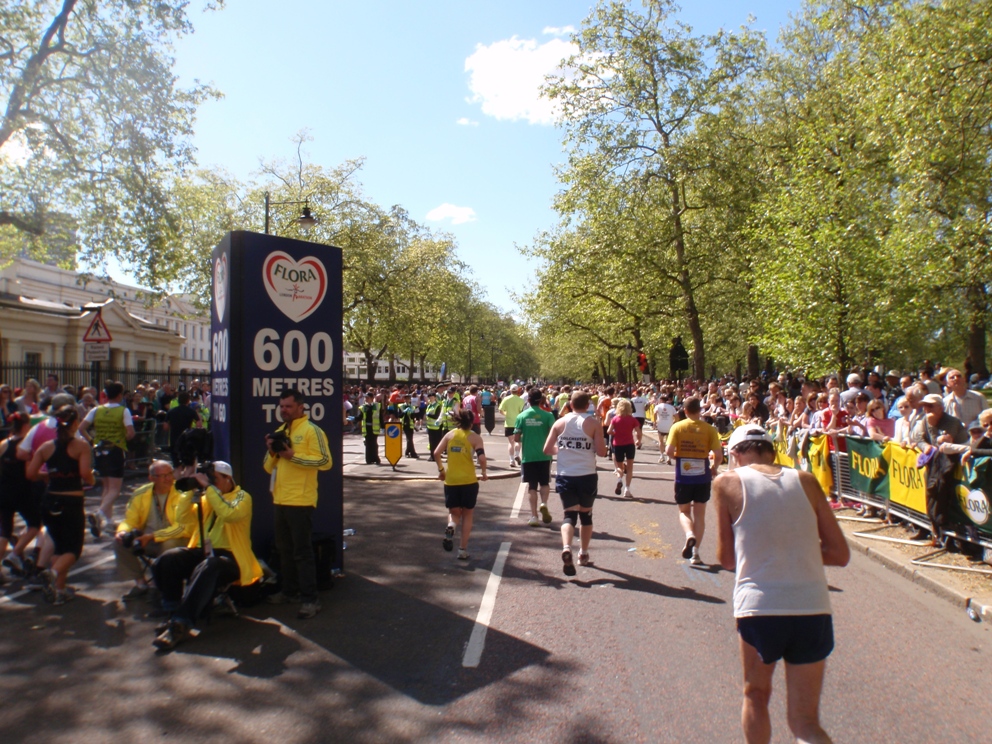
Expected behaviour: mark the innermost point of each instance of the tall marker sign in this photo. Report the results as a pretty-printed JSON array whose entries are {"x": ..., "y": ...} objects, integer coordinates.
[{"x": 276, "y": 324}]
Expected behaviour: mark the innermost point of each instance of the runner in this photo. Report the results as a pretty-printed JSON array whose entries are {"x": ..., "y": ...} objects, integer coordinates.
[
  {"x": 510, "y": 407},
  {"x": 461, "y": 486},
  {"x": 691, "y": 442},
  {"x": 625, "y": 435},
  {"x": 532, "y": 428},
  {"x": 640, "y": 405},
  {"x": 776, "y": 531},
  {"x": 432, "y": 421},
  {"x": 577, "y": 439},
  {"x": 664, "y": 417}
]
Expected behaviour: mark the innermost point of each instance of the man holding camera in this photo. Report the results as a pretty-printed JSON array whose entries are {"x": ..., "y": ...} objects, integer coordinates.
[
  {"x": 219, "y": 553},
  {"x": 150, "y": 526},
  {"x": 294, "y": 465}
]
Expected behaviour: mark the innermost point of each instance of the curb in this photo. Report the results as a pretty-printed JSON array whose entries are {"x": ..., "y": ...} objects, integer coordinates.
[{"x": 928, "y": 583}]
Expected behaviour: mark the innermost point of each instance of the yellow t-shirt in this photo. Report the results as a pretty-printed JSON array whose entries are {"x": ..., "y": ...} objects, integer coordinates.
[
  {"x": 693, "y": 442},
  {"x": 461, "y": 467}
]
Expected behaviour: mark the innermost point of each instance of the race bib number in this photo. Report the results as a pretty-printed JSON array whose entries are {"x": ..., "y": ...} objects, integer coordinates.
[{"x": 691, "y": 467}]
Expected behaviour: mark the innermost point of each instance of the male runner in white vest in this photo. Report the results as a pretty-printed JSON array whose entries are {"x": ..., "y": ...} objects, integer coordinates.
[
  {"x": 577, "y": 439},
  {"x": 777, "y": 531}
]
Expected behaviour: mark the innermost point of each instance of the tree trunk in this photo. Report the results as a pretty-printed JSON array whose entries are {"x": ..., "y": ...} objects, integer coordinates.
[
  {"x": 753, "y": 361},
  {"x": 685, "y": 282},
  {"x": 978, "y": 331}
]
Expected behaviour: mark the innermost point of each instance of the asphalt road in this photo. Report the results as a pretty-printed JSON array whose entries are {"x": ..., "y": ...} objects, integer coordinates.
[{"x": 638, "y": 647}]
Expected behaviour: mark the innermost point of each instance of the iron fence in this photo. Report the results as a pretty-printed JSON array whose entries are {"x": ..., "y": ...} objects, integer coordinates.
[{"x": 16, "y": 374}]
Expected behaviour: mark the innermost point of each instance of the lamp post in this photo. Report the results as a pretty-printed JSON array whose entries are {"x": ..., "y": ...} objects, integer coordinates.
[
  {"x": 630, "y": 353},
  {"x": 306, "y": 220}
]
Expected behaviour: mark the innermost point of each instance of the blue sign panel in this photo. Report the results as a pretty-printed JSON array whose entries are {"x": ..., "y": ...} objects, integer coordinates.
[{"x": 276, "y": 324}]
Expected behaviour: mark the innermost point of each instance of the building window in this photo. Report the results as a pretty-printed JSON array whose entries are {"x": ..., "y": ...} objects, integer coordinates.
[
  {"x": 201, "y": 355},
  {"x": 142, "y": 365},
  {"x": 184, "y": 352},
  {"x": 32, "y": 364}
]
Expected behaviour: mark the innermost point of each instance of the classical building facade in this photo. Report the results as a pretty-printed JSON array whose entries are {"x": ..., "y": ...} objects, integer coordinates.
[{"x": 46, "y": 310}]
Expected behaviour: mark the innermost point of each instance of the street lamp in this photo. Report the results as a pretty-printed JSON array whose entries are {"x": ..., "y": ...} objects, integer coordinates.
[
  {"x": 306, "y": 220},
  {"x": 630, "y": 353}
]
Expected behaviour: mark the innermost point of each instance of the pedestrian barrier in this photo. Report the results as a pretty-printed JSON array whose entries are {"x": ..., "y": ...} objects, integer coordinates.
[{"x": 886, "y": 477}]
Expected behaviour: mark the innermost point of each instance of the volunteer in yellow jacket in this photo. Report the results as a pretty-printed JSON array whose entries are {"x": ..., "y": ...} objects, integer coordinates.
[
  {"x": 294, "y": 465},
  {"x": 151, "y": 524},
  {"x": 223, "y": 556},
  {"x": 461, "y": 486}
]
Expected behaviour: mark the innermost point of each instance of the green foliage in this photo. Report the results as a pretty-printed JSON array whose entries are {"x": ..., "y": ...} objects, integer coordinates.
[
  {"x": 95, "y": 127},
  {"x": 831, "y": 202}
]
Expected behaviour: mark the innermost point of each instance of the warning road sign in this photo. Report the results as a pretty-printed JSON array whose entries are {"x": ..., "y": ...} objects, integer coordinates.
[{"x": 97, "y": 333}]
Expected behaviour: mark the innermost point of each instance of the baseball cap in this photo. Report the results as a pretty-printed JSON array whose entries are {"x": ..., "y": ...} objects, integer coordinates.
[
  {"x": 748, "y": 433},
  {"x": 893, "y": 373},
  {"x": 223, "y": 468},
  {"x": 976, "y": 424},
  {"x": 933, "y": 399},
  {"x": 514, "y": 388}
]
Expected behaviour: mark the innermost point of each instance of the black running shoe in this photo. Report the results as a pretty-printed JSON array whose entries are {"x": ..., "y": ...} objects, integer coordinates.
[
  {"x": 690, "y": 543},
  {"x": 567, "y": 565},
  {"x": 449, "y": 532}
]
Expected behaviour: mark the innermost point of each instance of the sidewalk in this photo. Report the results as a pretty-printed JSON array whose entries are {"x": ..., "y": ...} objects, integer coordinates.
[{"x": 354, "y": 467}]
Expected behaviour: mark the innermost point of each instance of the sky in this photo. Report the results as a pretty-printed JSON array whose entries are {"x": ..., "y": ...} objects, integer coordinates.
[{"x": 440, "y": 97}]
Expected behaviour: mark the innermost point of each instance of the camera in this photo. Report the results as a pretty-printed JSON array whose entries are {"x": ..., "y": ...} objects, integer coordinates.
[
  {"x": 130, "y": 541},
  {"x": 190, "y": 483},
  {"x": 207, "y": 468},
  {"x": 280, "y": 441}
]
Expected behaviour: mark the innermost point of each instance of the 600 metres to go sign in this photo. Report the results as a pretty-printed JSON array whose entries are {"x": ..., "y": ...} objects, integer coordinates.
[{"x": 296, "y": 351}]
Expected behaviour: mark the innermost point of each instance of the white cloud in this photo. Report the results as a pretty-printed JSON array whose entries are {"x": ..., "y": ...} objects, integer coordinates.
[
  {"x": 466, "y": 122},
  {"x": 506, "y": 77},
  {"x": 457, "y": 215},
  {"x": 558, "y": 31}
]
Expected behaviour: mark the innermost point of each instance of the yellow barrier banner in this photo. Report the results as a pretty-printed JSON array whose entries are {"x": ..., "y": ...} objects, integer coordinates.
[
  {"x": 907, "y": 483},
  {"x": 819, "y": 462}
]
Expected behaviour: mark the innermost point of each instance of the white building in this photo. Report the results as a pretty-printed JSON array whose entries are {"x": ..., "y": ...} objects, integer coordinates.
[
  {"x": 356, "y": 369},
  {"x": 44, "y": 319}
]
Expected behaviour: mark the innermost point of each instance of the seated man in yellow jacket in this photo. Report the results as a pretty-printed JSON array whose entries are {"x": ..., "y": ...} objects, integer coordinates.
[
  {"x": 150, "y": 524},
  {"x": 222, "y": 557}
]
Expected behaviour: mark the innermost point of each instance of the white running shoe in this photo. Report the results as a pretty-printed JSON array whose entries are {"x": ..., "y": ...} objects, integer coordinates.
[{"x": 534, "y": 522}]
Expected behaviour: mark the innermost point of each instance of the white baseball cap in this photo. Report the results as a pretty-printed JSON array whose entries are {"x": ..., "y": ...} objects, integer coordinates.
[
  {"x": 748, "y": 433},
  {"x": 223, "y": 468}
]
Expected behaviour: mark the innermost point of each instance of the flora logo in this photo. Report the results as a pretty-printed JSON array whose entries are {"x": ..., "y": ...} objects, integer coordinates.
[
  {"x": 220, "y": 286},
  {"x": 295, "y": 287},
  {"x": 977, "y": 506}
]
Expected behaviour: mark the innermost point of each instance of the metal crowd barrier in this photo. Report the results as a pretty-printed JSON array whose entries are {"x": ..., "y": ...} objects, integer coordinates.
[{"x": 843, "y": 489}]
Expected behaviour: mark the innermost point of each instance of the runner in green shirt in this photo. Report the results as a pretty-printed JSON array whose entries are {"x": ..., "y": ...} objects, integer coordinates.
[{"x": 531, "y": 432}]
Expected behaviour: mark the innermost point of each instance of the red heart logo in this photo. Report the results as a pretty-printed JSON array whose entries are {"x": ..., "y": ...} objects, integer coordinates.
[
  {"x": 295, "y": 287},
  {"x": 220, "y": 286}
]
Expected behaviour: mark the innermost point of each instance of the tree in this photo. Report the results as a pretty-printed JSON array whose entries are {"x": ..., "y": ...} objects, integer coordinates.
[
  {"x": 95, "y": 126},
  {"x": 634, "y": 101}
]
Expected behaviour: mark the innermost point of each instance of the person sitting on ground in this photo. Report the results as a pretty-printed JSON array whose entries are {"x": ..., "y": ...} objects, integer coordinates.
[
  {"x": 219, "y": 554},
  {"x": 150, "y": 523}
]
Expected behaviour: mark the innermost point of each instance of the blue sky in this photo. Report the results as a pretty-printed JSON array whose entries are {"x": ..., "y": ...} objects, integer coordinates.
[{"x": 438, "y": 96}]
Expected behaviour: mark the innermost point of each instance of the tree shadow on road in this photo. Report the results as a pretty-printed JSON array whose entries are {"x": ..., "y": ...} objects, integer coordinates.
[{"x": 647, "y": 586}]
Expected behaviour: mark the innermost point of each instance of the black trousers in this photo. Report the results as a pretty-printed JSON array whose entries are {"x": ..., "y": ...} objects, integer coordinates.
[
  {"x": 410, "y": 449},
  {"x": 294, "y": 541},
  {"x": 434, "y": 437},
  {"x": 371, "y": 449},
  {"x": 203, "y": 576}
]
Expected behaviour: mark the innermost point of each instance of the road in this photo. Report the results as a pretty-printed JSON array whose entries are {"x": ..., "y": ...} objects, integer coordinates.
[{"x": 639, "y": 647}]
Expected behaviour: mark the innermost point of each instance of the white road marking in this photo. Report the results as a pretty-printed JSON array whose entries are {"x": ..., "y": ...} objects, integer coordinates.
[
  {"x": 73, "y": 572},
  {"x": 519, "y": 501},
  {"x": 473, "y": 651}
]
